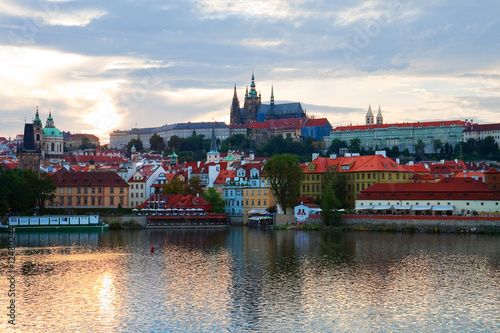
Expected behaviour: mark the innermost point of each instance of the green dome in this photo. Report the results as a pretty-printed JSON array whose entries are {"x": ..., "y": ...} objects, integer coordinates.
[{"x": 51, "y": 131}]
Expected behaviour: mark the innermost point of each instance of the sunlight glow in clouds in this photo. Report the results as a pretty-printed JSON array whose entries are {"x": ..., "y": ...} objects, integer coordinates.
[{"x": 108, "y": 65}]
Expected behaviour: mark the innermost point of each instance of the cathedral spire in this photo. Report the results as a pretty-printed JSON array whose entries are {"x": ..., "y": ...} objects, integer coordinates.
[
  {"x": 380, "y": 118},
  {"x": 369, "y": 115},
  {"x": 272, "y": 95}
]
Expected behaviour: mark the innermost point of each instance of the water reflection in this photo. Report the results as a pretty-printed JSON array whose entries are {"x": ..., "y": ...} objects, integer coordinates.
[{"x": 253, "y": 280}]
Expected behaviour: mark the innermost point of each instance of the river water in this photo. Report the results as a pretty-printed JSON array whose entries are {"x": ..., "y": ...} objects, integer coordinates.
[{"x": 250, "y": 280}]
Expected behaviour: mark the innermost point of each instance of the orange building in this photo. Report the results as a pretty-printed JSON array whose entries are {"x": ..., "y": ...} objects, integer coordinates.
[{"x": 104, "y": 189}]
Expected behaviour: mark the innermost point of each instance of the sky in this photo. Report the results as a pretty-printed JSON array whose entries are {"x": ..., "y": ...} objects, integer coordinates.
[{"x": 119, "y": 64}]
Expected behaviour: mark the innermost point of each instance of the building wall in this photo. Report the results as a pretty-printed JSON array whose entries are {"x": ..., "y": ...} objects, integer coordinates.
[
  {"x": 403, "y": 137},
  {"x": 87, "y": 197},
  {"x": 466, "y": 207},
  {"x": 256, "y": 198}
]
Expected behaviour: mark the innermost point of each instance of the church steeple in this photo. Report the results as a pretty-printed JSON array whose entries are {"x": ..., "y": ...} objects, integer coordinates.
[
  {"x": 235, "y": 109},
  {"x": 253, "y": 92},
  {"x": 380, "y": 118},
  {"x": 37, "y": 122},
  {"x": 369, "y": 116},
  {"x": 272, "y": 95}
]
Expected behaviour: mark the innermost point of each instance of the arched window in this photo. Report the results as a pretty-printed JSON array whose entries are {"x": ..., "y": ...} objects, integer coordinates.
[{"x": 52, "y": 147}]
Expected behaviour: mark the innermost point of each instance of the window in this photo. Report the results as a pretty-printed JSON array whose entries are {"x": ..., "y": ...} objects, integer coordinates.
[
  {"x": 369, "y": 175},
  {"x": 99, "y": 201},
  {"x": 383, "y": 175},
  {"x": 84, "y": 190},
  {"x": 258, "y": 202},
  {"x": 374, "y": 175},
  {"x": 265, "y": 192},
  {"x": 84, "y": 200},
  {"x": 246, "y": 202},
  {"x": 121, "y": 190},
  {"x": 70, "y": 190},
  {"x": 142, "y": 186},
  {"x": 121, "y": 200},
  {"x": 78, "y": 190},
  {"x": 93, "y": 190},
  {"x": 99, "y": 190},
  {"x": 265, "y": 203},
  {"x": 70, "y": 201},
  {"x": 253, "y": 203},
  {"x": 357, "y": 176},
  {"x": 258, "y": 192},
  {"x": 397, "y": 176},
  {"x": 92, "y": 200},
  {"x": 78, "y": 200},
  {"x": 111, "y": 200},
  {"x": 111, "y": 190},
  {"x": 61, "y": 200},
  {"x": 362, "y": 176},
  {"x": 61, "y": 190}
]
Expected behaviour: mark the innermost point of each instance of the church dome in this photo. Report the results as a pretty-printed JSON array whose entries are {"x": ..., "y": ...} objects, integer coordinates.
[{"x": 52, "y": 131}]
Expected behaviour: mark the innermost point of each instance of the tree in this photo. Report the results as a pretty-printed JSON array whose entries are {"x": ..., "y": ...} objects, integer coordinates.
[
  {"x": 175, "y": 143},
  {"x": 24, "y": 190},
  {"x": 336, "y": 145},
  {"x": 156, "y": 142},
  {"x": 193, "y": 187},
  {"x": 214, "y": 197},
  {"x": 42, "y": 188},
  {"x": 420, "y": 147},
  {"x": 285, "y": 175},
  {"x": 86, "y": 144},
  {"x": 487, "y": 145},
  {"x": 394, "y": 152},
  {"x": 330, "y": 205},
  {"x": 175, "y": 186},
  {"x": 470, "y": 146},
  {"x": 437, "y": 145},
  {"x": 354, "y": 145},
  {"x": 137, "y": 143}
]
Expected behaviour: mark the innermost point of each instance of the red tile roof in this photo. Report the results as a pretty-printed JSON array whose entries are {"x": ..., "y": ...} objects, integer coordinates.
[
  {"x": 355, "y": 164},
  {"x": 64, "y": 178},
  {"x": 446, "y": 190},
  {"x": 414, "y": 125}
]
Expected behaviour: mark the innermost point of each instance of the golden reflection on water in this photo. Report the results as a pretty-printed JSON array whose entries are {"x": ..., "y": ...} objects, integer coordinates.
[{"x": 256, "y": 281}]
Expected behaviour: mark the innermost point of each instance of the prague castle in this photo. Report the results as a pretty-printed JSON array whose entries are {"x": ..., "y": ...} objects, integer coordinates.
[{"x": 254, "y": 111}]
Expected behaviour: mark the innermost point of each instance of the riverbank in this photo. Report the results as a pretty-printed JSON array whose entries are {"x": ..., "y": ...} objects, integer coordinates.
[{"x": 408, "y": 224}]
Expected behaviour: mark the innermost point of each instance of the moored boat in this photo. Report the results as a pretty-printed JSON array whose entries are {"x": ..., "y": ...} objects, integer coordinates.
[{"x": 56, "y": 222}]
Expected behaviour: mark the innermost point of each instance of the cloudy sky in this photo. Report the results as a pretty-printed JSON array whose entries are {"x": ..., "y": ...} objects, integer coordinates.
[{"x": 106, "y": 65}]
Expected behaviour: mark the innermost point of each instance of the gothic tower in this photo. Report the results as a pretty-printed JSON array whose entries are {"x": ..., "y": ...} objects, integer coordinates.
[
  {"x": 235, "y": 109},
  {"x": 38, "y": 130},
  {"x": 252, "y": 103},
  {"x": 272, "y": 96},
  {"x": 380, "y": 118},
  {"x": 369, "y": 116}
]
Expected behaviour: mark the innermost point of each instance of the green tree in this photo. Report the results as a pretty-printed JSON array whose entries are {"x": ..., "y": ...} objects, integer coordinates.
[
  {"x": 394, "y": 152},
  {"x": 354, "y": 145},
  {"x": 137, "y": 143},
  {"x": 420, "y": 147},
  {"x": 24, "y": 190},
  {"x": 193, "y": 187},
  {"x": 42, "y": 188},
  {"x": 285, "y": 175},
  {"x": 156, "y": 142},
  {"x": 487, "y": 145},
  {"x": 175, "y": 186},
  {"x": 330, "y": 205},
  {"x": 214, "y": 197},
  {"x": 335, "y": 146},
  {"x": 437, "y": 145},
  {"x": 86, "y": 144},
  {"x": 175, "y": 143}
]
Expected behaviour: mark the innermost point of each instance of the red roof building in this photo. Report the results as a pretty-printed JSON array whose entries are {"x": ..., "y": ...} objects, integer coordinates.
[
  {"x": 457, "y": 195},
  {"x": 89, "y": 189}
]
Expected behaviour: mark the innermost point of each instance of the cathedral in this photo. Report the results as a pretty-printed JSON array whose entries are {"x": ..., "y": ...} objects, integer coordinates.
[
  {"x": 254, "y": 111},
  {"x": 40, "y": 142}
]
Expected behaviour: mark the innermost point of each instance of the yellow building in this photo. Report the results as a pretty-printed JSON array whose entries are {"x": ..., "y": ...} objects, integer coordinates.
[
  {"x": 256, "y": 198},
  {"x": 360, "y": 172},
  {"x": 89, "y": 189}
]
